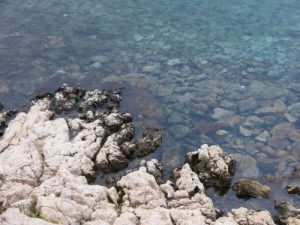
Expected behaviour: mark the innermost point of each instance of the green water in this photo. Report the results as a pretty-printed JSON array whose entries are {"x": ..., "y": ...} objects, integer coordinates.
[{"x": 207, "y": 71}]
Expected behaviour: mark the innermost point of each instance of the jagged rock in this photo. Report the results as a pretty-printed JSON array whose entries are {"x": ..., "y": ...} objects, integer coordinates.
[
  {"x": 154, "y": 216},
  {"x": 212, "y": 167},
  {"x": 140, "y": 188},
  {"x": 188, "y": 180},
  {"x": 127, "y": 218},
  {"x": 245, "y": 216},
  {"x": 250, "y": 189},
  {"x": 13, "y": 216},
  {"x": 288, "y": 214},
  {"x": 197, "y": 202},
  {"x": 150, "y": 141},
  {"x": 154, "y": 168},
  {"x": 4, "y": 118},
  {"x": 187, "y": 217},
  {"x": 224, "y": 221},
  {"x": 168, "y": 189}
]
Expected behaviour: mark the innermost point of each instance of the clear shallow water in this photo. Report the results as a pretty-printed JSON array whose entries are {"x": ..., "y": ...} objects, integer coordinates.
[{"x": 219, "y": 72}]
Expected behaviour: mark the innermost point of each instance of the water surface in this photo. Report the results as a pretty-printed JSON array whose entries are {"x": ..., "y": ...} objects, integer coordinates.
[{"x": 219, "y": 72}]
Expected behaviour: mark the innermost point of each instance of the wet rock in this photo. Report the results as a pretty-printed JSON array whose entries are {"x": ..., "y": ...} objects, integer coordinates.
[
  {"x": 282, "y": 134},
  {"x": 245, "y": 132},
  {"x": 221, "y": 133},
  {"x": 252, "y": 122},
  {"x": 149, "y": 143},
  {"x": 248, "y": 104},
  {"x": 245, "y": 216},
  {"x": 212, "y": 166},
  {"x": 294, "y": 110},
  {"x": 293, "y": 189},
  {"x": 277, "y": 107},
  {"x": 154, "y": 168},
  {"x": 288, "y": 214},
  {"x": 179, "y": 131},
  {"x": 263, "y": 137},
  {"x": 250, "y": 189},
  {"x": 5, "y": 116},
  {"x": 225, "y": 116}
]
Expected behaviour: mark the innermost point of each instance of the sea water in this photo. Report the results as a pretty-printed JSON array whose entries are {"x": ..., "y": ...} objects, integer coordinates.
[{"x": 205, "y": 71}]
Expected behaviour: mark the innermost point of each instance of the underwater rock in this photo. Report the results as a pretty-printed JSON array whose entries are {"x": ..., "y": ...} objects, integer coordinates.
[
  {"x": 246, "y": 166},
  {"x": 250, "y": 189},
  {"x": 225, "y": 116},
  {"x": 212, "y": 166}
]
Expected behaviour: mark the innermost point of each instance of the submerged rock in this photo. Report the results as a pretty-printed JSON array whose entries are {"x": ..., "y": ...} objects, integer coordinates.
[{"x": 250, "y": 189}]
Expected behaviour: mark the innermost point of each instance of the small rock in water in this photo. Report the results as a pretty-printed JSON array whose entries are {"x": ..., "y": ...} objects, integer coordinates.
[
  {"x": 293, "y": 189},
  {"x": 263, "y": 137},
  {"x": 250, "y": 189}
]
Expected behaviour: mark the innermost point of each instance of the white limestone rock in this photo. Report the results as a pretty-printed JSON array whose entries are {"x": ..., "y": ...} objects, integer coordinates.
[{"x": 245, "y": 216}]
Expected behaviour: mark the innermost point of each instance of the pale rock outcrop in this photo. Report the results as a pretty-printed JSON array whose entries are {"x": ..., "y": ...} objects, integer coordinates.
[
  {"x": 141, "y": 189},
  {"x": 245, "y": 216},
  {"x": 188, "y": 180},
  {"x": 224, "y": 221},
  {"x": 13, "y": 216}
]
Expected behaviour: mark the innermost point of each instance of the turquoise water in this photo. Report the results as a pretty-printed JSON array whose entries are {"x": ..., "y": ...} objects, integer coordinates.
[{"x": 212, "y": 71}]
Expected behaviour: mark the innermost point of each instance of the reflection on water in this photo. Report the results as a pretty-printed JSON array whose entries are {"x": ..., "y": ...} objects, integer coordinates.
[{"x": 223, "y": 72}]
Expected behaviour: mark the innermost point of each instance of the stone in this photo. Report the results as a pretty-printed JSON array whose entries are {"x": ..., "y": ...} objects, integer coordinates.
[
  {"x": 224, "y": 221},
  {"x": 293, "y": 189},
  {"x": 246, "y": 166},
  {"x": 212, "y": 167},
  {"x": 248, "y": 104},
  {"x": 250, "y": 189},
  {"x": 221, "y": 133},
  {"x": 13, "y": 216},
  {"x": 245, "y": 132},
  {"x": 244, "y": 216},
  {"x": 287, "y": 212},
  {"x": 225, "y": 116},
  {"x": 188, "y": 180},
  {"x": 263, "y": 137},
  {"x": 142, "y": 189}
]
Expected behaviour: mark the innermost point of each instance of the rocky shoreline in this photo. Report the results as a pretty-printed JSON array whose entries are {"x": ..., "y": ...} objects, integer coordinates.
[{"x": 49, "y": 152}]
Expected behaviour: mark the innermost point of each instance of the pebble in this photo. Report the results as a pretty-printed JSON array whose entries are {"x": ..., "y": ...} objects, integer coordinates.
[{"x": 221, "y": 133}]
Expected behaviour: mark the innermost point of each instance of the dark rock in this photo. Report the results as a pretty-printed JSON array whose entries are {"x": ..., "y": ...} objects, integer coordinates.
[
  {"x": 250, "y": 189},
  {"x": 149, "y": 143},
  {"x": 293, "y": 189},
  {"x": 212, "y": 166}
]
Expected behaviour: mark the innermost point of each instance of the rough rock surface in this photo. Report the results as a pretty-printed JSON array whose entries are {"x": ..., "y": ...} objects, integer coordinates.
[
  {"x": 288, "y": 214},
  {"x": 212, "y": 166},
  {"x": 244, "y": 216},
  {"x": 47, "y": 153}
]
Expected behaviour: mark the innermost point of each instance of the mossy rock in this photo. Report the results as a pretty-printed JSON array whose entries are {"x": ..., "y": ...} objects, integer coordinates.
[{"x": 251, "y": 189}]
